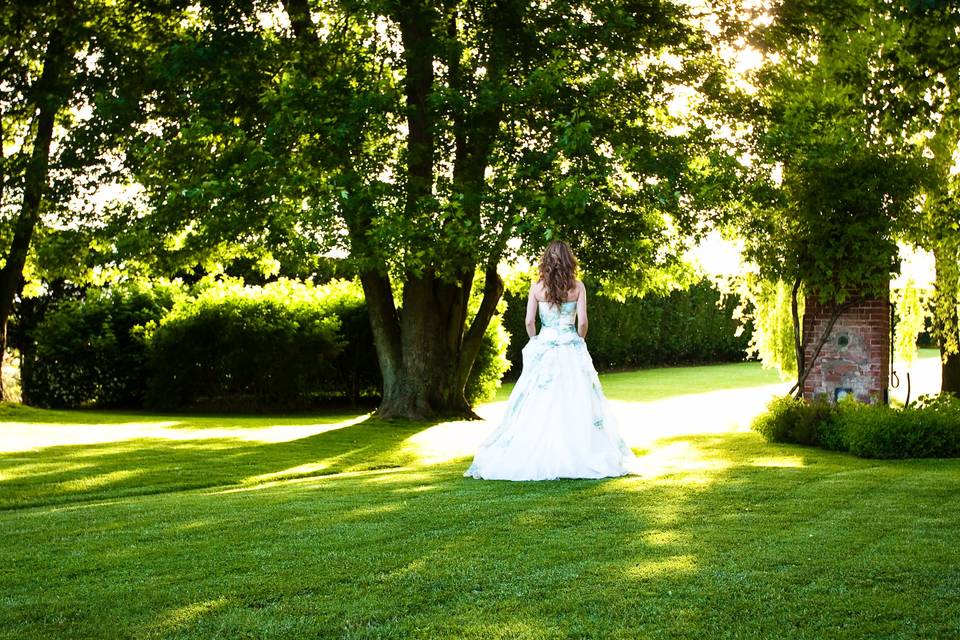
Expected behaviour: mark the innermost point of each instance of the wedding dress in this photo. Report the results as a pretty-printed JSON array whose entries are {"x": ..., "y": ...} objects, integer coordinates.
[{"x": 557, "y": 423}]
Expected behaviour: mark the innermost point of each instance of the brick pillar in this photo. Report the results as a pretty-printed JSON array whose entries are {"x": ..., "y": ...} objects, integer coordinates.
[{"x": 856, "y": 356}]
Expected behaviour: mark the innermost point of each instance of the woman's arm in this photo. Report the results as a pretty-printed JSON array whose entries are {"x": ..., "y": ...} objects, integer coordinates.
[
  {"x": 531, "y": 319},
  {"x": 582, "y": 321}
]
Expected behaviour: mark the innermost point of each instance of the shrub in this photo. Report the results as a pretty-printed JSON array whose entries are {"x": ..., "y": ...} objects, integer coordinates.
[
  {"x": 490, "y": 365},
  {"x": 286, "y": 344},
  {"x": 685, "y": 326},
  {"x": 788, "y": 419},
  {"x": 93, "y": 350},
  {"x": 227, "y": 346},
  {"x": 270, "y": 346},
  {"x": 925, "y": 431},
  {"x": 929, "y": 429},
  {"x": 357, "y": 367}
]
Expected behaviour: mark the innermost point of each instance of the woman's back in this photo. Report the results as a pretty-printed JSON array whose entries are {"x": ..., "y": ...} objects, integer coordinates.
[
  {"x": 570, "y": 312},
  {"x": 556, "y": 424},
  {"x": 563, "y": 316}
]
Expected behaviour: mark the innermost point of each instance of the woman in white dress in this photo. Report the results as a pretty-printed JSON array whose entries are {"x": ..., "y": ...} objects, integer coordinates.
[{"x": 557, "y": 423}]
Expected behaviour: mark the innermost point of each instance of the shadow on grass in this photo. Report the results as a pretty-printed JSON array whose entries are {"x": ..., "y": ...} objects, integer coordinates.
[
  {"x": 18, "y": 413},
  {"x": 59, "y": 474},
  {"x": 728, "y": 536}
]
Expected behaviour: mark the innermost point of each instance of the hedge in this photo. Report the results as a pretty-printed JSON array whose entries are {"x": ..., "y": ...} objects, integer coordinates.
[
  {"x": 225, "y": 345},
  {"x": 93, "y": 350},
  {"x": 695, "y": 325},
  {"x": 930, "y": 428},
  {"x": 270, "y": 346}
]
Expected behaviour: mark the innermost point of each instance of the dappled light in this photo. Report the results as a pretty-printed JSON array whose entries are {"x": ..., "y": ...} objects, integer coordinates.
[
  {"x": 245, "y": 532},
  {"x": 102, "y": 480},
  {"x": 681, "y": 457},
  {"x": 188, "y": 614},
  {"x": 794, "y": 462},
  {"x": 657, "y": 568},
  {"x": 51, "y": 458},
  {"x": 24, "y": 436},
  {"x": 641, "y": 423},
  {"x": 310, "y": 468},
  {"x": 272, "y": 263},
  {"x": 450, "y": 440}
]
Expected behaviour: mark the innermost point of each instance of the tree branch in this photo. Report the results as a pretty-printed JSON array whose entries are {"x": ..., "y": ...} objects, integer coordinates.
[
  {"x": 797, "y": 344},
  {"x": 473, "y": 339}
]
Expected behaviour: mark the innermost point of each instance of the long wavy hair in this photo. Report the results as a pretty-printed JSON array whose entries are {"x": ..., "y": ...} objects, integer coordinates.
[{"x": 558, "y": 271}]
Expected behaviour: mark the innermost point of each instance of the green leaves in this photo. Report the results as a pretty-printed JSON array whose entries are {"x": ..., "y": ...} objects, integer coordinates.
[
  {"x": 273, "y": 136},
  {"x": 843, "y": 191}
]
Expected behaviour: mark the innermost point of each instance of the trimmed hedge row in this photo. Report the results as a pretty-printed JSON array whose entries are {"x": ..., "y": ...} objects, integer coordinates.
[
  {"x": 695, "y": 325},
  {"x": 223, "y": 346},
  {"x": 270, "y": 346},
  {"x": 930, "y": 428},
  {"x": 94, "y": 348}
]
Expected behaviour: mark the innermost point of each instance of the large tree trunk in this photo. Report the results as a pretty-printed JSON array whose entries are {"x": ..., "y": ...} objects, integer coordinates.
[
  {"x": 437, "y": 349},
  {"x": 431, "y": 323},
  {"x": 434, "y": 309},
  {"x": 425, "y": 348},
  {"x": 946, "y": 318},
  {"x": 35, "y": 181}
]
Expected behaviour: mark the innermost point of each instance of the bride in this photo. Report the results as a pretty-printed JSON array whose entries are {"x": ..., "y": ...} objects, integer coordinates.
[{"x": 557, "y": 424}]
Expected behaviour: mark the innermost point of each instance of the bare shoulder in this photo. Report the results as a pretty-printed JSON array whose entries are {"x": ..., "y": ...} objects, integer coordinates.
[
  {"x": 536, "y": 289},
  {"x": 581, "y": 288}
]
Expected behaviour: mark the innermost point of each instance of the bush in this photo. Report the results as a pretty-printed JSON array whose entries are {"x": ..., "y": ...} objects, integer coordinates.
[
  {"x": 685, "y": 326},
  {"x": 357, "y": 367},
  {"x": 929, "y": 429},
  {"x": 93, "y": 350},
  {"x": 270, "y": 346},
  {"x": 490, "y": 365},
  {"x": 788, "y": 419},
  {"x": 226, "y": 346}
]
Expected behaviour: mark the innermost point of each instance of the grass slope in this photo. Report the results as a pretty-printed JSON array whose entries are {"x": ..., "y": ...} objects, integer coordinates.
[{"x": 233, "y": 527}]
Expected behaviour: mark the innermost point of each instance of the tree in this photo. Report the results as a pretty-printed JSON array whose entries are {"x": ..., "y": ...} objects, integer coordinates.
[
  {"x": 914, "y": 95},
  {"x": 429, "y": 141},
  {"x": 69, "y": 72},
  {"x": 830, "y": 194}
]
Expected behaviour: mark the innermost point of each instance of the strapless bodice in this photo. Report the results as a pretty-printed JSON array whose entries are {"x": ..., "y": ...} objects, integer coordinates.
[{"x": 561, "y": 317}]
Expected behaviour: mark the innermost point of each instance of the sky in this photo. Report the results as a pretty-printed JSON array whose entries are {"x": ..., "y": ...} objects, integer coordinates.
[{"x": 719, "y": 257}]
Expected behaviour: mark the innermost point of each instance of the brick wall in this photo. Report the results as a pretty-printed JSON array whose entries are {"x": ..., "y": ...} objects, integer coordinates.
[{"x": 855, "y": 357}]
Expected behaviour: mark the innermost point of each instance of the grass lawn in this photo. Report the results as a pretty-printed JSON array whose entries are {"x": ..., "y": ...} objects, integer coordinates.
[
  {"x": 335, "y": 526},
  {"x": 664, "y": 382}
]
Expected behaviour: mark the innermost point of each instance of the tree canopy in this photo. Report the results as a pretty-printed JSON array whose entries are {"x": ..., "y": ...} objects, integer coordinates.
[
  {"x": 423, "y": 144},
  {"x": 428, "y": 142}
]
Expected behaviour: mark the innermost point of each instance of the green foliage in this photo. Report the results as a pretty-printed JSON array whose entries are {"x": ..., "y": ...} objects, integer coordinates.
[
  {"x": 93, "y": 350},
  {"x": 226, "y": 345},
  {"x": 910, "y": 321},
  {"x": 490, "y": 365},
  {"x": 423, "y": 139},
  {"x": 264, "y": 346},
  {"x": 358, "y": 373},
  {"x": 108, "y": 56},
  {"x": 831, "y": 192},
  {"x": 788, "y": 419},
  {"x": 555, "y": 125},
  {"x": 770, "y": 314},
  {"x": 928, "y": 429},
  {"x": 683, "y": 326}
]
